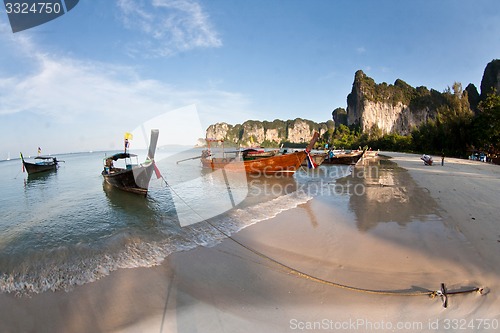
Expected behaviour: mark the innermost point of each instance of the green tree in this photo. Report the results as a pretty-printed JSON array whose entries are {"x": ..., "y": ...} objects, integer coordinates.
[{"x": 487, "y": 123}]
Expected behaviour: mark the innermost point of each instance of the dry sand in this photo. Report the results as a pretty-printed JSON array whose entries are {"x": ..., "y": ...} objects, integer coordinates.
[{"x": 407, "y": 230}]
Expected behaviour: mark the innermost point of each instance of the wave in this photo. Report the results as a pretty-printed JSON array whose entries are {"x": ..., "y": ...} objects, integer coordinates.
[{"x": 65, "y": 267}]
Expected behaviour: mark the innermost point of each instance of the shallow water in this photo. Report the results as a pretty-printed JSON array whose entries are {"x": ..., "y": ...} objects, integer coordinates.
[{"x": 66, "y": 228}]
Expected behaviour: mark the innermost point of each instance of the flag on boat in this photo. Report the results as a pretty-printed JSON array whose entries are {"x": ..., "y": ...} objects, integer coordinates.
[
  {"x": 157, "y": 171},
  {"x": 128, "y": 136},
  {"x": 310, "y": 161}
]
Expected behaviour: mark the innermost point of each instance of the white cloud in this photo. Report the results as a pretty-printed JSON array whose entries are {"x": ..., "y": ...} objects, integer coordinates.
[
  {"x": 81, "y": 105},
  {"x": 66, "y": 88},
  {"x": 171, "y": 26},
  {"x": 105, "y": 97},
  {"x": 360, "y": 50}
]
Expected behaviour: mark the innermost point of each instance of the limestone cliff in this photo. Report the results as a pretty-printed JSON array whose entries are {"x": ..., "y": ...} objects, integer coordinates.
[
  {"x": 339, "y": 116},
  {"x": 489, "y": 83},
  {"x": 256, "y": 133},
  {"x": 217, "y": 131},
  {"x": 393, "y": 108},
  {"x": 491, "y": 78},
  {"x": 399, "y": 107}
]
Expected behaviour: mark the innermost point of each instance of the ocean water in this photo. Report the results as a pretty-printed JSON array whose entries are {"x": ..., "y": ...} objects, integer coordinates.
[{"x": 66, "y": 228}]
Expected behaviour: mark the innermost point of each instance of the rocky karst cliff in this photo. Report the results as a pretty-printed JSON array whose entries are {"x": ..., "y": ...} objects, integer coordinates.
[
  {"x": 489, "y": 83},
  {"x": 256, "y": 133},
  {"x": 491, "y": 79},
  {"x": 399, "y": 107},
  {"x": 393, "y": 108}
]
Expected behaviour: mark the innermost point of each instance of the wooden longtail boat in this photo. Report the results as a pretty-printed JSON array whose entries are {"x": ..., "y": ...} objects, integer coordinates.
[
  {"x": 317, "y": 159},
  {"x": 281, "y": 164},
  {"x": 285, "y": 164},
  {"x": 134, "y": 177},
  {"x": 43, "y": 163},
  {"x": 344, "y": 158}
]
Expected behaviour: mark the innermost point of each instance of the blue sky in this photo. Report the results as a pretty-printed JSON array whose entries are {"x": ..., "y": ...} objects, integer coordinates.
[{"x": 77, "y": 83}]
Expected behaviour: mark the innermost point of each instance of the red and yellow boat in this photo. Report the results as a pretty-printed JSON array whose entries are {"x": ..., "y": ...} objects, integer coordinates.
[{"x": 285, "y": 164}]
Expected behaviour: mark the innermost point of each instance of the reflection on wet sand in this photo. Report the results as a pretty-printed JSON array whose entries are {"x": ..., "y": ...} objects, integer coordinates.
[{"x": 386, "y": 193}]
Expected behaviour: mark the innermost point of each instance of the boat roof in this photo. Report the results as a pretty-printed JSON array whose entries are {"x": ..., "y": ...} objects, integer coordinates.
[
  {"x": 118, "y": 156},
  {"x": 44, "y": 158}
]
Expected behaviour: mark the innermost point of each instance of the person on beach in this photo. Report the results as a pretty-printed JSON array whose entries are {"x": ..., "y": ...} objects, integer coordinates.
[{"x": 442, "y": 158}]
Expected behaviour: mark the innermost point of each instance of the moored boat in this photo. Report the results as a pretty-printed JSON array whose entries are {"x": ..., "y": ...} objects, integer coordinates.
[
  {"x": 42, "y": 164},
  {"x": 134, "y": 177},
  {"x": 285, "y": 164},
  {"x": 344, "y": 158},
  {"x": 281, "y": 164}
]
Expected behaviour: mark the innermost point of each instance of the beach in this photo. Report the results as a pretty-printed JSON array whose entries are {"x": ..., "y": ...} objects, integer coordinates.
[{"x": 393, "y": 226}]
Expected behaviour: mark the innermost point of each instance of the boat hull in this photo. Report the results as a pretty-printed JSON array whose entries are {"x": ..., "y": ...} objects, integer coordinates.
[
  {"x": 135, "y": 180},
  {"x": 346, "y": 159},
  {"x": 282, "y": 164},
  {"x": 32, "y": 168},
  {"x": 318, "y": 159}
]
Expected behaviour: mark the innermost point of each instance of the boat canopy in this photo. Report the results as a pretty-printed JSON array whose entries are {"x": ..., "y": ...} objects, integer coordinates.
[
  {"x": 44, "y": 158},
  {"x": 118, "y": 156}
]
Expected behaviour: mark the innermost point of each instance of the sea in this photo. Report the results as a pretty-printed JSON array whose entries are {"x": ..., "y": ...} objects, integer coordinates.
[{"x": 66, "y": 228}]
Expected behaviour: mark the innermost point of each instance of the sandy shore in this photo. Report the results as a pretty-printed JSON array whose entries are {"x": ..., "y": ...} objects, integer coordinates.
[{"x": 409, "y": 227}]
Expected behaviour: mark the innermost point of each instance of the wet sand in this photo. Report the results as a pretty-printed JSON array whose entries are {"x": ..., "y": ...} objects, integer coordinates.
[{"x": 409, "y": 227}]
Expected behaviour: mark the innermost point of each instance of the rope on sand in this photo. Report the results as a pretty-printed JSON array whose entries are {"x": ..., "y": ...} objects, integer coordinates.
[{"x": 443, "y": 293}]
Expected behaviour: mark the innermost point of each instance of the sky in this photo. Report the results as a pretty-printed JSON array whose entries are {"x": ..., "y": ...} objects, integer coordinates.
[{"x": 79, "y": 82}]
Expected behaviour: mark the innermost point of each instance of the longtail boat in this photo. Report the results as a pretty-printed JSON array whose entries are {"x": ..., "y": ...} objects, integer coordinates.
[
  {"x": 42, "y": 164},
  {"x": 285, "y": 164},
  {"x": 134, "y": 177},
  {"x": 344, "y": 158}
]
